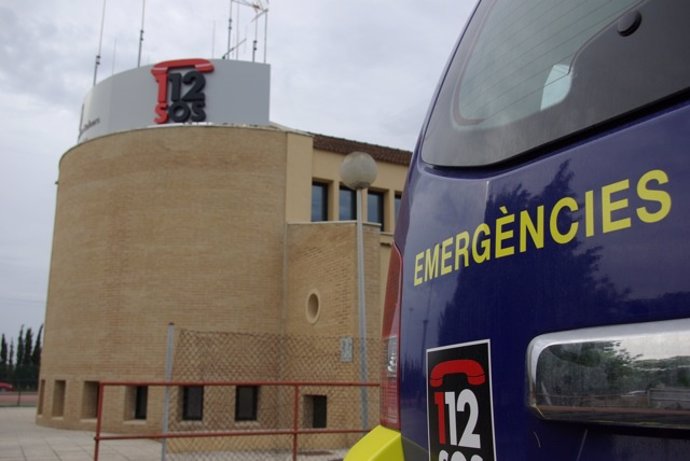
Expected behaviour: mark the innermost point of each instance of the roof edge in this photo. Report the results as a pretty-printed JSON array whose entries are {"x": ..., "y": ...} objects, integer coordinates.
[{"x": 345, "y": 146}]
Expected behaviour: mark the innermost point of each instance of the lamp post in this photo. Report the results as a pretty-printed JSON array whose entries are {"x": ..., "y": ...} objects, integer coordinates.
[{"x": 358, "y": 171}]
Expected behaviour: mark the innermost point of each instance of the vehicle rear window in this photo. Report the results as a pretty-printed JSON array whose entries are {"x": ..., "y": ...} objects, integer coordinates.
[{"x": 530, "y": 72}]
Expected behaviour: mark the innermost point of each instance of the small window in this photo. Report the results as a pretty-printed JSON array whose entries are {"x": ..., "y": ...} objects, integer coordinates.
[
  {"x": 375, "y": 207},
  {"x": 141, "y": 399},
  {"x": 136, "y": 402},
  {"x": 58, "y": 398},
  {"x": 192, "y": 403},
  {"x": 89, "y": 405},
  {"x": 246, "y": 403},
  {"x": 319, "y": 202},
  {"x": 397, "y": 202},
  {"x": 347, "y": 203},
  {"x": 316, "y": 411}
]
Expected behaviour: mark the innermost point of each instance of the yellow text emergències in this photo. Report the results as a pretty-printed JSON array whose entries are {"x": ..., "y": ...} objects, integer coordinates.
[{"x": 513, "y": 233}]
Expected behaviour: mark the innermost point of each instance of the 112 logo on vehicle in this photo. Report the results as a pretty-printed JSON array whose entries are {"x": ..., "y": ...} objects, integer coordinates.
[
  {"x": 187, "y": 100},
  {"x": 459, "y": 404}
]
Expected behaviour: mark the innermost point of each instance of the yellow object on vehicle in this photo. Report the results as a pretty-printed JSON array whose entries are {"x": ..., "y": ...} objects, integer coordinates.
[{"x": 381, "y": 444}]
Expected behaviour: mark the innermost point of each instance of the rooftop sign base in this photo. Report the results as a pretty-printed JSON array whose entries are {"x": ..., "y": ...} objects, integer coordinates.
[{"x": 178, "y": 91}]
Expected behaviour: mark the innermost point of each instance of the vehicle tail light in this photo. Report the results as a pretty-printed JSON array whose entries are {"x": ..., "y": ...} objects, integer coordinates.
[{"x": 390, "y": 397}]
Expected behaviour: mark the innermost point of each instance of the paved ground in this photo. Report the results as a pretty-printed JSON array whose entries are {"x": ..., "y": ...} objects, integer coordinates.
[{"x": 22, "y": 440}]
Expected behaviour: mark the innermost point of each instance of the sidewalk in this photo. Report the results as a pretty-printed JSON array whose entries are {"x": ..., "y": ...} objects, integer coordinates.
[{"x": 22, "y": 440}]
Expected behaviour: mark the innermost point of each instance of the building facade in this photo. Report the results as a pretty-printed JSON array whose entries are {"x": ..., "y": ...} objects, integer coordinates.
[{"x": 219, "y": 229}]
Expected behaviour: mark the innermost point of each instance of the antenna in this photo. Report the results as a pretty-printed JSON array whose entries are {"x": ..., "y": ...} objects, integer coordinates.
[
  {"x": 226, "y": 55},
  {"x": 141, "y": 31},
  {"x": 255, "y": 20},
  {"x": 265, "y": 31},
  {"x": 256, "y": 32},
  {"x": 100, "y": 46},
  {"x": 263, "y": 11},
  {"x": 234, "y": 48},
  {"x": 237, "y": 32},
  {"x": 260, "y": 10}
]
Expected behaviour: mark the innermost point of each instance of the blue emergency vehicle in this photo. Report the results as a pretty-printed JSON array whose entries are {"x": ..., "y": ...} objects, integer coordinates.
[{"x": 538, "y": 300}]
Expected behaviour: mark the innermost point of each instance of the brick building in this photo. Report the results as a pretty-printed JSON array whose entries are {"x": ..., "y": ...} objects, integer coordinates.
[{"x": 216, "y": 227}]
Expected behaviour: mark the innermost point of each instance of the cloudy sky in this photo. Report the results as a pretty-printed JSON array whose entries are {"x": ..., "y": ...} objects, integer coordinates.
[{"x": 357, "y": 69}]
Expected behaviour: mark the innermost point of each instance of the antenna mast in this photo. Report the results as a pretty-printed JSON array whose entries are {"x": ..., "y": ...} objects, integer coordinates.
[
  {"x": 265, "y": 32},
  {"x": 256, "y": 33},
  {"x": 141, "y": 31},
  {"x": 227, "y": 54},
  {"x": 262, "y": 11},
  {"x": 100, "y": 46},
  {"x": 237, "y": 33},
  {"x": 259, "y": 10}
]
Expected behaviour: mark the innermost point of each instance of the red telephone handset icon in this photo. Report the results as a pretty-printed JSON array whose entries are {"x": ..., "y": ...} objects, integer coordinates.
[
  {"x": 471, "y": 368},
  {"x": 475, "y": 376},
  {"x": 160, "y": 73}
]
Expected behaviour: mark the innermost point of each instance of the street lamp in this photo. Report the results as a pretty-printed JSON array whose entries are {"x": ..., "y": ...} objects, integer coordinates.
[{"x": 358, "y": 171}]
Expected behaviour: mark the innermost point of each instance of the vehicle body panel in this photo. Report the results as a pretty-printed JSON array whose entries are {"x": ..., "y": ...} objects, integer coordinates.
[
  {"x": 585, "y": 227},
  {"x": 635, "y": 273}
]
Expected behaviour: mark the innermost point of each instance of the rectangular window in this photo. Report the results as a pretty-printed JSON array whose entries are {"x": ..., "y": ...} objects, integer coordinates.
[
  {"x": 347, "y": 204},
  {"x": 59, "y": 399},
  {"x": 141, "y": 401},
  {"x": 397, "y": 202},
  {"x": 315, "y": 411},
  {"x": 192, "y": 403},
  {"x": 319, "y": 201},
  {"x": 136, "y": 402},
  {"x": 246, "y": 403},
  {"x": 89, "y": 400},
  {"x": 375, "y": 207}
]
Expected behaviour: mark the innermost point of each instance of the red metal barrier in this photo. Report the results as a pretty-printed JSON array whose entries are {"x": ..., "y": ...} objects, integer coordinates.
[{"x": 295, "y": 431}]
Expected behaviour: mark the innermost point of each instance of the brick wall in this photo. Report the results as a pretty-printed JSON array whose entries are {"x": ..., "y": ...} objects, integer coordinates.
[
  {"x": 179, "y": 225},
  {"x": 189, "y": 225}
]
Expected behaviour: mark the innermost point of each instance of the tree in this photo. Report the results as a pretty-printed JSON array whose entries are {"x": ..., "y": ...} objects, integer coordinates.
[
  {"x": 22, "y": 368},
  {"x": 20, "y": 349},
  {"x": 36, "y": 356},
  {"x": 10, "y": 362},
  {"x": 3, "y": 359},
  {"x": 28, "y": 347}
]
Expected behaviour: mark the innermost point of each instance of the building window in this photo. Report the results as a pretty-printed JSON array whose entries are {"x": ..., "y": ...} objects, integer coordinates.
[
  {"x": 319, "y": 201},
  {"x": 192, "y": 403},
  {"x": 141, "y": 400},
  {"x": 246, "y": 403},
  {"x": 89, "y": 402},
  {"x": 315, "y": 411},
  {"x": 136, "y": 405},
  {"x": 375, "y": 207},
  {"x": 347, "y": 204},
  {"x": 58, "y": 398},
  {"x": 397, "y": 201}
]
